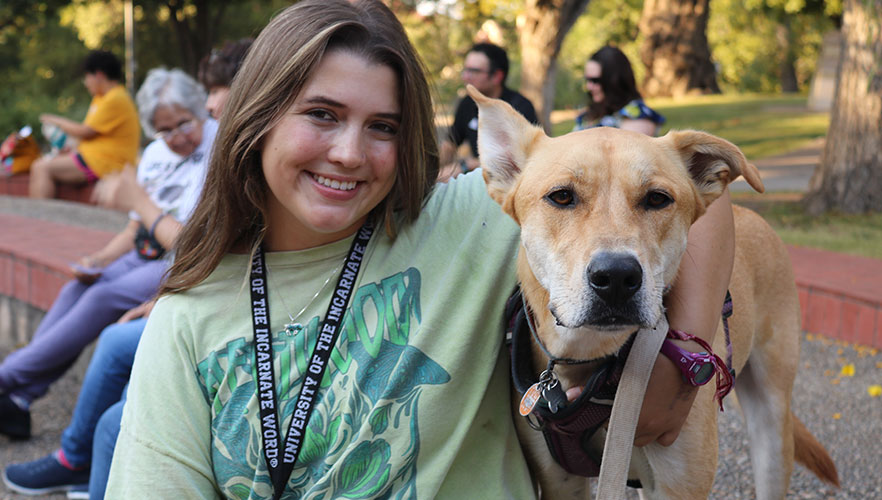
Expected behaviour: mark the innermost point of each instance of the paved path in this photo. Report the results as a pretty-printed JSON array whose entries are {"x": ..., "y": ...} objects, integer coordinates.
[{"x": 787, "y": 172}]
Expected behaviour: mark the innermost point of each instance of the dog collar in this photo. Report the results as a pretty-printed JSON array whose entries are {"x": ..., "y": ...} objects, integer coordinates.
[{"x": 560, "y": 421}]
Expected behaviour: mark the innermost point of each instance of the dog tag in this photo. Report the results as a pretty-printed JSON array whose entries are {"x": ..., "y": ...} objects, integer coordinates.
[
  {"x": 554, "y": 395},
  {"x": 531, "y": 397}
]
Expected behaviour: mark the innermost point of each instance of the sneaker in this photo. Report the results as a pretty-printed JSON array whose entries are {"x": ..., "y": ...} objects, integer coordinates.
[
  {"x": 78, "y": 492},
  {"x": 44, "y": 475},
  {"x": 15, "y": 421}
]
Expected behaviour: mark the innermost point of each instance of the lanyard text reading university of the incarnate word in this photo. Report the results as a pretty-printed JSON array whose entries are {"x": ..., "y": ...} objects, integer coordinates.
[{"x": 312, "y": 377}]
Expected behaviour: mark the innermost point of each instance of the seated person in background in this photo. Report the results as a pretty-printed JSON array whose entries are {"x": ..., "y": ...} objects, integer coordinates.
[
  {"x": 128, "y": 270},
  {"x": 82, "y": 464},
  {"x": 485, "y": 67},
  {"x": 613, "y": 99},
  {"x": 216, "y": 72},
  {"x": 108, "y": 137}
]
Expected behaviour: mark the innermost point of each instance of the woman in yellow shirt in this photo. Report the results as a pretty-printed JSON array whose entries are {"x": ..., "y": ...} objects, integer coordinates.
[{"x": 108, "y": 137}]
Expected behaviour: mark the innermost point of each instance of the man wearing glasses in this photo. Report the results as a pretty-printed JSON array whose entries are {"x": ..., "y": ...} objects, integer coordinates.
[{"x": 485, "y": 67}]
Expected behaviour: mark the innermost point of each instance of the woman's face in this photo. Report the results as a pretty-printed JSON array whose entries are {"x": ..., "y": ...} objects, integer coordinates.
[
  {"x": 217, "y": 97},
  {"x": 331, "y": 159},
  {"x": 180, "y": 130},
  {"x": 592, "y": 80}
]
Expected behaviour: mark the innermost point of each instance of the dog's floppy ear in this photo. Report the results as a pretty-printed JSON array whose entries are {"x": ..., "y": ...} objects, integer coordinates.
[
  {"x": 712, "y": 162},
  {"x": 504, "y": 140}
]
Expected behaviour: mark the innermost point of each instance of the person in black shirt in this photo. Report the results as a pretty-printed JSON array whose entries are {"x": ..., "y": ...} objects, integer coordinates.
[{"x": 485, "y": 67}]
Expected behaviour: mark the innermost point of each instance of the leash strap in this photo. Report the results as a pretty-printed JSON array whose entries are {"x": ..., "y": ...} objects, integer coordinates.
[
  {"x": 312, "y": 378},
  {"x": 626, "y": 409}
]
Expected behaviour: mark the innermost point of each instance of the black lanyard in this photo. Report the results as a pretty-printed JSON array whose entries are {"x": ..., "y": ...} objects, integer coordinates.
[{"x": 312, "y": 378}]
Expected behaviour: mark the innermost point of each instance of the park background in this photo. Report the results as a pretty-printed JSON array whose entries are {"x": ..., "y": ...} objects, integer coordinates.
[{"x": 741, "y": 69}]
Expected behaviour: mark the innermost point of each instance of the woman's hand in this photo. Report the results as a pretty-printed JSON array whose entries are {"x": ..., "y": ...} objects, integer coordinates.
[
  {"x": 120, "y": 191},
  {"x": 140, "y": 311},
  {"x": 49, "y": 118},
  {"x": 666, "y": 404},
  {"x": 88, "y": 269}
]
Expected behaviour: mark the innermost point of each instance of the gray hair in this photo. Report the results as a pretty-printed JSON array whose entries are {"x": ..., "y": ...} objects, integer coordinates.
[{"x": 164, "y": 87}]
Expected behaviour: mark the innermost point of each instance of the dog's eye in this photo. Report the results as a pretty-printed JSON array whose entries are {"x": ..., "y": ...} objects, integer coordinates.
[
  {"x": 656, "y": 200},
  {"x": 561, "y": 198}
]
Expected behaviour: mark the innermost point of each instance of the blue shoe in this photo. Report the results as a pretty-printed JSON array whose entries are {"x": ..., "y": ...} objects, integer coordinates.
[
  {"x": 78, "y": 492},
  {"x": 44, "y": 475}
]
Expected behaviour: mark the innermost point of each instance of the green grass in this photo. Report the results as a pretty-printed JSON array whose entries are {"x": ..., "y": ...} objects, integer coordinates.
[
  {"x": 761, "y": 125},
  {"x": 836, "y": 232}
]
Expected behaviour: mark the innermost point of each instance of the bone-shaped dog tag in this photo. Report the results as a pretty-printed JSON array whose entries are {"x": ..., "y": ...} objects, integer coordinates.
[
  {"x": 554, "y": 395},
  {"x": 531, "y": 397}
]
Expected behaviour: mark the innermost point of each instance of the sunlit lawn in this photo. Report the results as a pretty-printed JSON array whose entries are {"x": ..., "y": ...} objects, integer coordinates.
[
  {"x": 854, "y": 234},
  {"x": 761, "y": 125}
]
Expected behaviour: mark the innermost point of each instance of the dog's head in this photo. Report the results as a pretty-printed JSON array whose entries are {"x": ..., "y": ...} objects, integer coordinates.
[{"x": 604, "y": 213}]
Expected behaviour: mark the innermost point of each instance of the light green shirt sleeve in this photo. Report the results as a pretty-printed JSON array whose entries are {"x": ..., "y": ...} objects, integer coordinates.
[{"x": 166, "y": 427}]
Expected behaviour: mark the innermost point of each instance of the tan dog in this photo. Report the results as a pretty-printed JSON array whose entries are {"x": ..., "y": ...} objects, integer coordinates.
[{"x": 606, "y": 199}]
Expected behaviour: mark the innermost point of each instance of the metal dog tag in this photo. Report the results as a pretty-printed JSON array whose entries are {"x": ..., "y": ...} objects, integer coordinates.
[
  {"x": 554, "y": 394},
  {"x": 531, "y": 397}
]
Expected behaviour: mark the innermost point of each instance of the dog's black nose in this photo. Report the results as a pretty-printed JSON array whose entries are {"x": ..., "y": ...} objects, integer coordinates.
[{"x": 615, "y": 277}]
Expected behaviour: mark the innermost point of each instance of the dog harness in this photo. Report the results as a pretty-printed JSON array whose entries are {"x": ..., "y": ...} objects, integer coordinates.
[{"x": 568, "y": 428}]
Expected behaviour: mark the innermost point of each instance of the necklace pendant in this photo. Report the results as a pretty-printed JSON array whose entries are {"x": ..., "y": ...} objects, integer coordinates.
[{"x": 292, "y": 329}]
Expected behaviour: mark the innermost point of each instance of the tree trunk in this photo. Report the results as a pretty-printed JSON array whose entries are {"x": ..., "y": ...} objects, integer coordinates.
[
  {"x": 544, "y": 25},
  {"x": 849, "y": 177},
  {"x": 194, "y": 38},
  {"x": 787, "y": 67},
  {"x": 675, "y": 50}
]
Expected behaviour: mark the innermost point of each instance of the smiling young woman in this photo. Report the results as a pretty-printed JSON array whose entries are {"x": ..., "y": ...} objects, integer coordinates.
[{"x": 255, "y": 378}]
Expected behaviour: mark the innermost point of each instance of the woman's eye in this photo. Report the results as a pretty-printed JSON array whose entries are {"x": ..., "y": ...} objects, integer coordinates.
[
  {"x": 656, "y": 200},
  {"x": 561, "y": 197},
  {"x": 320, "y": 114},
  {"x": 385, "y": 128}
]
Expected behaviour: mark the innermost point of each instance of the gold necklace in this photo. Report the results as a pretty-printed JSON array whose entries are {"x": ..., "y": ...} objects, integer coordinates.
[{"x": 295, "y": 327}]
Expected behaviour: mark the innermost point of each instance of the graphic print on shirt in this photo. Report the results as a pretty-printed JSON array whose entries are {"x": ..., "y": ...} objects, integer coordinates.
[{"x": 363, "y": 437}]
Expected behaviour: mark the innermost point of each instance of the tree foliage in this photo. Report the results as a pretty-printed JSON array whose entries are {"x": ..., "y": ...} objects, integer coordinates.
[
  {"x": 751, "y": 45},
  {"x": 42, "y": 45}
]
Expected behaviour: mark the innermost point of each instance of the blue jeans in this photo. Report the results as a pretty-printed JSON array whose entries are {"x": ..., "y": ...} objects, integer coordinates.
[
  {"x": 103, "y": 386},
  {"x": 102, "y": 453}
]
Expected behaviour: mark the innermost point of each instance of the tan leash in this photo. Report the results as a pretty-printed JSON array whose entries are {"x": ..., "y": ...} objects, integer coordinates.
[{"x": 626, "y": 410}]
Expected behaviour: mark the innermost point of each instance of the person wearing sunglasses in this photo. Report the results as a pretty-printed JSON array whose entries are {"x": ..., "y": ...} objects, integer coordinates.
[
  {"x": 485, "y": 67},
  {"x": 127, "y": 271},
  {"x": 613, "y": 98}
]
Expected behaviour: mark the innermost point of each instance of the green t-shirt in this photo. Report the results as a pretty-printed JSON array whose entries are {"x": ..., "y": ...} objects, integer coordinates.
[{"x": 415, "y": 400}]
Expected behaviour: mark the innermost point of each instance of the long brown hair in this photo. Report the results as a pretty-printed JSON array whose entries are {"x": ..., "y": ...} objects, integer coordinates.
[
  {"x": 616, "y": 80},
  {"x": 231, "y": 213}
]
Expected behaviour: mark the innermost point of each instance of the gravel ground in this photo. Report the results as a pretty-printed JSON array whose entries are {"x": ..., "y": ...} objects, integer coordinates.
[{"x": 836, "y": 408}]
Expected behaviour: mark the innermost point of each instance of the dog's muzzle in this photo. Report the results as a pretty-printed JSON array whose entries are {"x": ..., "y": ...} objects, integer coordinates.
[{"x": 615, "y": 279}]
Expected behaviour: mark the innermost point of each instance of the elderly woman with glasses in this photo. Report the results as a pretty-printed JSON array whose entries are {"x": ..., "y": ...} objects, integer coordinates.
[{"x": 127, "y": 271}]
